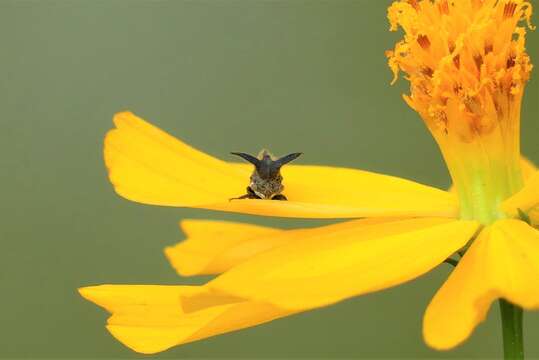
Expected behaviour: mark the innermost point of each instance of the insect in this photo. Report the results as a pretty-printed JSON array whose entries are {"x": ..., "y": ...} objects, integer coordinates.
[{"x": 266, "y": 179}]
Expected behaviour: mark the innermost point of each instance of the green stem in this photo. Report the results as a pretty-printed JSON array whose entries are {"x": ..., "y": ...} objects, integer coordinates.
[{"x": 513, "y": 343}]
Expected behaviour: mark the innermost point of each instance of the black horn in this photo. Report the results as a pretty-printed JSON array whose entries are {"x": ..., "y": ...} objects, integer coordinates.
[
  {"x": 253, "y": 160},
  {"x": 286, "y": 159}
]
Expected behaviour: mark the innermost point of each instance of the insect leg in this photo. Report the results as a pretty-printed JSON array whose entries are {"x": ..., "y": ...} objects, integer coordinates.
[
  {"x": 279, "y": 197},
  {"x": 250, "y": 195}
]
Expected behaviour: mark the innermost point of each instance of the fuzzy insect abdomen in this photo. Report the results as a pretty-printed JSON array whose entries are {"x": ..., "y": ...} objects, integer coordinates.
[{"x": 266, "y": 188}]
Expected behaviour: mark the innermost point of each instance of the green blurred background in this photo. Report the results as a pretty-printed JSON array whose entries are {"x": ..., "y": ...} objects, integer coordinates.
[{"x": 222, "y": 75}]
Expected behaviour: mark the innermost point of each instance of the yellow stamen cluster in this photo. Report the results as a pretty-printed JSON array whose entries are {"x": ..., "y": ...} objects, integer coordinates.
[{"x": 467, "y": 66}]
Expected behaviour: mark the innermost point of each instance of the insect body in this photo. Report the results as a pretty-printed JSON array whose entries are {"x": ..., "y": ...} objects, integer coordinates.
[{"x": 266, "y": 179}]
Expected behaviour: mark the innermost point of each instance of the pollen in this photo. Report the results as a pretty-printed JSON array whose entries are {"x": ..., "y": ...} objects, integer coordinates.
[
  {"x": 423, "y": 41},
  {"x": 465, "y": 60},
  {"x": 509, "y": 10}
]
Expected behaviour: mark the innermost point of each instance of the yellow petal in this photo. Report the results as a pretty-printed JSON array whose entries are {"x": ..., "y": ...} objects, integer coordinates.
[
  {"x": 150, "y": 318},
  {"x": 502, "y": 262},
  {"x": 526, "y": 199},
  {"x": 149, "y": 166},
  {"x": 328, "y": 264},
  {"x": 213, "y": 247}
]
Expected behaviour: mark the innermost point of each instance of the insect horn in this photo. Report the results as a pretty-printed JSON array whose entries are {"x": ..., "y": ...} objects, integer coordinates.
[
  {"x": 286, "y": 159},
  {"x": 253, "y": 160}
]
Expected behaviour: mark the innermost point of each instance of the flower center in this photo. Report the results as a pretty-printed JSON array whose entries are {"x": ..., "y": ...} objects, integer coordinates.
[{"x": 467, "y": 67}]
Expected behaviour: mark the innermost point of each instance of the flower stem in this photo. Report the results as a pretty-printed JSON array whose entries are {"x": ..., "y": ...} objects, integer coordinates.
[{"x": 513, "y": 342}]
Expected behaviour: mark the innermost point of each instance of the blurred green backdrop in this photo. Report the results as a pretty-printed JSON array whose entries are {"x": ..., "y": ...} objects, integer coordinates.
[{"x": 311, "y": 74}]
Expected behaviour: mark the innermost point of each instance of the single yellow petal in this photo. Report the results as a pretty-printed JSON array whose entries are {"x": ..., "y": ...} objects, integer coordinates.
[
  {"x": 329, "y": 264},
  {"x": 213, "y": 247},
  {"x": 503, "y": 262},
  {"x": 526, "y": 199},
  {"x": 150, "y": 318},
  {"x": 518, "y": 278},
  {"x": 149, "y": 166}
]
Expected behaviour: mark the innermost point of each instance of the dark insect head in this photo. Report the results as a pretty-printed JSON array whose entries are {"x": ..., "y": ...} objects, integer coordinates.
[{"x": 265, "y": 166}]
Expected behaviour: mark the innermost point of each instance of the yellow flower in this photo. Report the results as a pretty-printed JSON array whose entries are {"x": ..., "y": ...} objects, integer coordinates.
[{"x": 467, "y": 66}]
